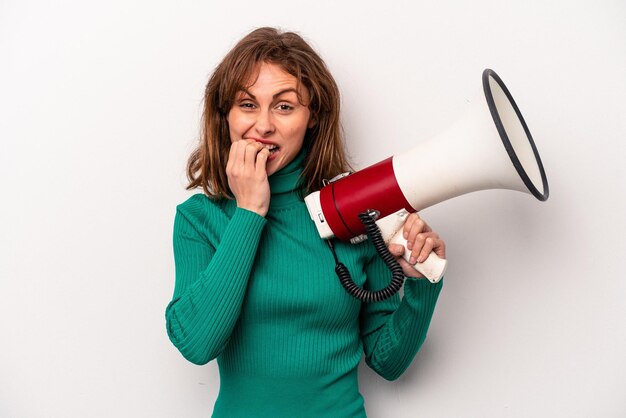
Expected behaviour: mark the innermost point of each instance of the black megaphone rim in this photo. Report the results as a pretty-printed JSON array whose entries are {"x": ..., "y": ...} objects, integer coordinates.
[{"x": 487, "y": 73}]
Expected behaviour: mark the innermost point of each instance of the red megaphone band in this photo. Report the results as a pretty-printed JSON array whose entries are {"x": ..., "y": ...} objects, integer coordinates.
[{"x": 374, "y": 187}]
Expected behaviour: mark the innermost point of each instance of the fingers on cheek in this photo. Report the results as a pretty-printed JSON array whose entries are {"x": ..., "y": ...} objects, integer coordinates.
[
  {"x": 250, "y": 151},
  {"x": 233, "y": 156},
  {"x": 229, "y": 160},
  {"x": 235, "y": 164}
]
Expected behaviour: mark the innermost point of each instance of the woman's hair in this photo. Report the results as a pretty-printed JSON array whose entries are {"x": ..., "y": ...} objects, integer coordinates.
[{"x": 326, "y": 156}]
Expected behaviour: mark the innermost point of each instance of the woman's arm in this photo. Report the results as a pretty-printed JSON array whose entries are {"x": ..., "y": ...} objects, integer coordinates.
[
  {"x": 393, "y": 331},
  {"x": 211, "y": 277}
]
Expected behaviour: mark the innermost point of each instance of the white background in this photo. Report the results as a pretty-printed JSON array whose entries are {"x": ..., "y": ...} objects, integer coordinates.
[{"x": 99, "y": 109}]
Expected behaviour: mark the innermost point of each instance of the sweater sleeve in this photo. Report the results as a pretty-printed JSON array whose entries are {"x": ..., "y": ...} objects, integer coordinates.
[
  {"x": 393, "y": 330},
  {"x": 211, "y": 277}
]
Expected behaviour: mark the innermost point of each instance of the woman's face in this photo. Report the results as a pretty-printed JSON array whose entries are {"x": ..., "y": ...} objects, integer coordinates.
[{"x": 269, "y": 112}]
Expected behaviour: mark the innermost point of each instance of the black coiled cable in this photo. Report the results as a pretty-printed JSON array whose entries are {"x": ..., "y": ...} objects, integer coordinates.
[{"x": 397, "y": 279}]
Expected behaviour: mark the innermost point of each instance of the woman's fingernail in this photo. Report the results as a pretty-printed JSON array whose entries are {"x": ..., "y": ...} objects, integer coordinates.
[{"x": 412, "y": 260}]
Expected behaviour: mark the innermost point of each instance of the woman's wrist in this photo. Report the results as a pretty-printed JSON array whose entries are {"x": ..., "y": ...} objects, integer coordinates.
[{"x": 260, "y": 210}]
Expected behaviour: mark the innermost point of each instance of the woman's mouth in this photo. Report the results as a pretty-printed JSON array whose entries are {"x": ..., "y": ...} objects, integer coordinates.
[{"x": 272, "y": 148}]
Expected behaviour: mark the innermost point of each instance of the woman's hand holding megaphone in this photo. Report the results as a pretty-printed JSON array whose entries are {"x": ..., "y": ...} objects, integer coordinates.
[{"x": 421, "y": 241}]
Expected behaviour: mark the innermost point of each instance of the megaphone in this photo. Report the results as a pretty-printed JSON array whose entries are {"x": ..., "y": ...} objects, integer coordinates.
[{"x": 489, "y": 147}]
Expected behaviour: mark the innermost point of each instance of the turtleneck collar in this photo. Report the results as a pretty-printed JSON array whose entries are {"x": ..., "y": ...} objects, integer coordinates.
[{"x": 283, "y": 183}]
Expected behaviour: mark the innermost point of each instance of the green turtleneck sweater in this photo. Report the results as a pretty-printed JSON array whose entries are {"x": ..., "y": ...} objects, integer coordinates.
[{"x": 261, "y": 296}]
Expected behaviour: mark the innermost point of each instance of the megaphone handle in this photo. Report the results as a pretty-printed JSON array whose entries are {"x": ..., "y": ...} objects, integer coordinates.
[{"x": 433, "y": 267}]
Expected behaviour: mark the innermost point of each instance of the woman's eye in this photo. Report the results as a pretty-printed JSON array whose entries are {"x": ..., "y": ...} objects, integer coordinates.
[
  {"x": 246, "y": 105},
  {"x": 284, "y": 107}
]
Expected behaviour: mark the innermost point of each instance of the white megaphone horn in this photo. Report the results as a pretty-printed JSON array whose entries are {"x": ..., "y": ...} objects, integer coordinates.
[{"x": 489, "y": 147}]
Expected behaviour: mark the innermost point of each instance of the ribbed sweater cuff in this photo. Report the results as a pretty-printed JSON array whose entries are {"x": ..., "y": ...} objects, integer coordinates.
[
  {"x": 246, "y": 225},
  {"x": 420, "y": 293}
]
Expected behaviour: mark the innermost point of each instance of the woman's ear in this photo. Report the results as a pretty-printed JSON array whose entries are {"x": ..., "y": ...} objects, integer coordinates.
[{"x": 312, "y": 121}]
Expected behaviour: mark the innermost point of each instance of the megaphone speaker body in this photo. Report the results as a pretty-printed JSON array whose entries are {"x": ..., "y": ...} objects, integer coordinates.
[{"x": 489, "y": 147}]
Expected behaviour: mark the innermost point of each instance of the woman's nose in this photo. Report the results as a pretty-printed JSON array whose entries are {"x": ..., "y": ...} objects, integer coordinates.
[{"x": 264, "y": 124}]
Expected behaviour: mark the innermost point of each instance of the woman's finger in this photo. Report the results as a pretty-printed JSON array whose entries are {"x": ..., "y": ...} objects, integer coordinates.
[
  {"x": 432, "y": 244},
  {"x": 408, "y": 224},
  {"x": 396, "y": 250},
  {"x": 261, "y": 161},
  {"x": 424, "y": 243},
  {"x": 251, "y": 150},
  {"x": 409, "y": 270},
  {"x": 237, "y": 154},
  {"x": 413, "y": 238}
]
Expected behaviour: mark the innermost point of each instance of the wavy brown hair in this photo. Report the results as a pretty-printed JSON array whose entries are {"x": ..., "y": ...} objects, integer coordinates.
[{"x": 326, "y": 155}]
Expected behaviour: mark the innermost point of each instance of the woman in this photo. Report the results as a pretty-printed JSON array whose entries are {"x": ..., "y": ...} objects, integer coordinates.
[{"x": 255, "y": 285}]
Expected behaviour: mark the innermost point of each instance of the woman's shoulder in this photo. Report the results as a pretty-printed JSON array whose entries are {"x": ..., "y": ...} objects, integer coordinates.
[
  {"x": 201, "y": 201},
  {"x": 194, "y": 202},
  {"x": 207, "y": 215},
  {"x": 200, "y": 207}
]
